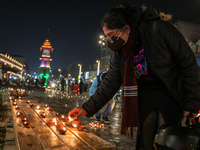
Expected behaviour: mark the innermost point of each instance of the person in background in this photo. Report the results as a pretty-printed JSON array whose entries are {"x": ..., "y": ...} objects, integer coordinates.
[
  {"x": 96, "y": 83},
  {"x": 81, "y": 85},
  {"x": 63, "y": 83},
  {"x": 76, "y": 88},
  {"x": 157, "y": 68},
  {"x": 69, "y": 86}
]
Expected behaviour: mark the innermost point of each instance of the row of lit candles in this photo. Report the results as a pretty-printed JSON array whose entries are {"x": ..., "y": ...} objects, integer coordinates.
[
  {"x": 25, "y": 121},
  {"x": 97, "y": 125}
]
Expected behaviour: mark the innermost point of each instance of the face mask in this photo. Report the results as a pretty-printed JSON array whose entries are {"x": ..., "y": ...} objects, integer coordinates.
[{"x": 117, "y": 43}]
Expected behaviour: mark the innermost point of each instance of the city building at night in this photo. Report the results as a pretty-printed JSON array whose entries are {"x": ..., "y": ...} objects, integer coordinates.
[
  {"x": 46, "y": 50},
  {"x": 10, "y": 67}
]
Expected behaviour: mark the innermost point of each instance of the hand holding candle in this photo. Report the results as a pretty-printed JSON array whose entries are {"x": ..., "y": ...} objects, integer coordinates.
[{"x": 77, "y": 112}]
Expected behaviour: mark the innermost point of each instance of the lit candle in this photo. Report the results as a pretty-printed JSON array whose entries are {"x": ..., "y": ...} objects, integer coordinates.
[
  {"x": 43, "y": 115},
  {"x": 46, "y": 106},
  {"x": 81, "y": 128},
  {"x": 103, "y": 125},
  {"x": 57, "y": 115},
  {"x": 31, "y": 105},
  {"x": 70, "y": 119},
  {"x": 18, "y": 114},
  {"x": 75, "y": 126},
  {"x": 54, "y": 120},
  {"x": 62, "y": 131},
  {"x": 63, "y": 116},
  {"x": 14, "y": 100},
  {"x": 17, "y": 107},
  {"x": 38, "y": 107},
  {"x": 14, "y": 103}
]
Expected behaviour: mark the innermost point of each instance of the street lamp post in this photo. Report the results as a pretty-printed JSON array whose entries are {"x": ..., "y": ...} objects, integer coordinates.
[
  {"x": 59, "y": 70},
  {"x": 98, "y": 67},
  {"x": 79, "y": 76},
  {"x": 102, "y": 43}
]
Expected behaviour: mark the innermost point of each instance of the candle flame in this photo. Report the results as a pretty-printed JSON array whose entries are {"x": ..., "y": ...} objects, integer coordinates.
[
  {"x": 64, "y": 129},
  {"x": 38, "y": 107},
  {"x": 54, "y": 120},
  {"x": 63, "y": 116},
  {"x": 25, "y": 122},
  {"x": 48, "y": 108},
  {"x": 70, "y": 119},
  {"x": 75, "y": 125}
]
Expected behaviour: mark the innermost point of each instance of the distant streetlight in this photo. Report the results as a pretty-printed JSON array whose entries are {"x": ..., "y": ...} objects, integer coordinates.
[
  {"x": 79, "y": 71},
  {"x": 98, "y": 67}
]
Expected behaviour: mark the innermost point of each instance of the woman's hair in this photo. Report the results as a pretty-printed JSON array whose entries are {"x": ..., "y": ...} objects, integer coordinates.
[{"x": 117, "y": 18}]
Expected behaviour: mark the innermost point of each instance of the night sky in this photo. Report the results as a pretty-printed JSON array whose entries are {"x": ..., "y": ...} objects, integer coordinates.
[{"x": 74, "y": 26}]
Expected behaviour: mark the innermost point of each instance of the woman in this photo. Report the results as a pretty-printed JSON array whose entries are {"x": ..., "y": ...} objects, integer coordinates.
[{"x": 157, "y": 67}]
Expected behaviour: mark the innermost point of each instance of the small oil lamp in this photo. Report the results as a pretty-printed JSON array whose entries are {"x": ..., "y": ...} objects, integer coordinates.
[
  {"x": 62, "y": 131},
  {"x": 46, "y": 106},
  {"x": 63, "y": 117},
  {"x": 43, "y": 115},
  {"x": 28, "y": 102},
  {"x": 55, "y": 121},
  {"x": 57, "y": 115},
  {"x": 14, "y": 100},
  {"x": 38, "y": 107},
  {"x": 90, "y": 124},
  {"x": 31, "y": 105},
  {"x": 14, "y": 103},
  {"x": 27, "y": 124},
  {"x": 24, "y": 120},
  {"x": 39, "y": 101},
  {"x": 103, "y": 125},
  {"x": 81, "y": 128},
  {"x": 17, "y": 107},
  {"x": 18, "y": 114},
  {"x": 51, "y": 123}
]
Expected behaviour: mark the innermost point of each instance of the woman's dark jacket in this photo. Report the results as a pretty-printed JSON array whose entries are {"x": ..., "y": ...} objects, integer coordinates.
[{"x": 170, "y": 59}]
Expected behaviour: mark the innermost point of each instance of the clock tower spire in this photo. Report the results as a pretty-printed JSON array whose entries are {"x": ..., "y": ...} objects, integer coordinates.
[{"x": 46, "y": 50}]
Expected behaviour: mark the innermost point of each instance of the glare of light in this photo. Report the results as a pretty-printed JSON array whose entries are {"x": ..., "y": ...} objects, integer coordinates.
[
  {"x": 99, "y": 42},
  {"x": 53, "y": 85},
  {"x": 101, "y": 36},
  {"x": 75, "y": 125}
]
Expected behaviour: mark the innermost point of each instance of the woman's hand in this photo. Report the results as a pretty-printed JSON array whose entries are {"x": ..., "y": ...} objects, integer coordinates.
[{"x": 77, "y": 112}]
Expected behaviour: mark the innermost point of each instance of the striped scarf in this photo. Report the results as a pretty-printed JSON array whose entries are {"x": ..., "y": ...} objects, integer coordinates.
[{"x": 130, "y": 102}]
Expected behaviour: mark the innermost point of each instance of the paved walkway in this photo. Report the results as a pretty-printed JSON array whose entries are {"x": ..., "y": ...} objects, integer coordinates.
[{"x": 110, "y": 133}]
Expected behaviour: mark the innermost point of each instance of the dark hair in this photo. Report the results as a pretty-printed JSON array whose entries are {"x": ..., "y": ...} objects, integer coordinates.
[
  {"x": 103, "y": 76},
  {"x": 116, "y": 18},
  {"x": 124, "y": 14}
]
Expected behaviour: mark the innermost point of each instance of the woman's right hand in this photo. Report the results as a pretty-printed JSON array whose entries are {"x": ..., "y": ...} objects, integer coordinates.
[{"x": 77, "y": 112}]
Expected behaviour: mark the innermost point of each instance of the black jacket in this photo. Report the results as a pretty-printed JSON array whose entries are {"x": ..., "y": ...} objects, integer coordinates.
[{"x": 170, "y": 59}]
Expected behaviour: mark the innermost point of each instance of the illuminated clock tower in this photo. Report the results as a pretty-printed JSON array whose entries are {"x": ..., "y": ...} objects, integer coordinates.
[{"x": 46, "y": 50}]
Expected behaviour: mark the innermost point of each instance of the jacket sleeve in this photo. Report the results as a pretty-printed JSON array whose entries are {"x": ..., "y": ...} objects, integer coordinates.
[
  {"x": 187, "y": 65},
  {"x": 107, "y": 89}
]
